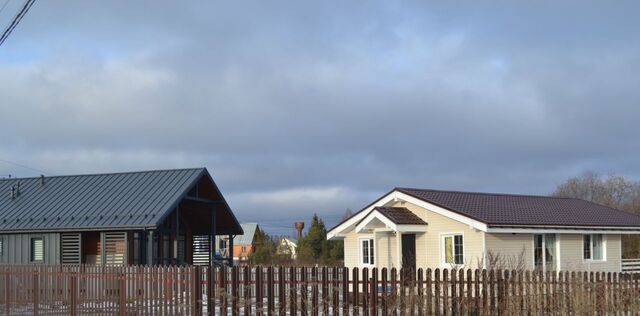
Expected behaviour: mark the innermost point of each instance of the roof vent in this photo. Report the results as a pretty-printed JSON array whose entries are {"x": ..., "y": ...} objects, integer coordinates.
[
  {"x": 18, "y": 189},
  {"x": 41, "y": 180},
  {"x": 13, "y": 192}
]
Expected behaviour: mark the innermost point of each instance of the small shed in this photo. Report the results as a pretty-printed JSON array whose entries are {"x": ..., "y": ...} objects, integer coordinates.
[{"x": 144, "y": 217}]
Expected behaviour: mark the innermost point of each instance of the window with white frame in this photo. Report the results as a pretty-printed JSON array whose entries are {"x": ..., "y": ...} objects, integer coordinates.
[
  {"x": 544, "y": 252},
  {"x": 367, "y": 252},
  {"x": 593, "y": 247},
  {"x": 453, "y": 249}
]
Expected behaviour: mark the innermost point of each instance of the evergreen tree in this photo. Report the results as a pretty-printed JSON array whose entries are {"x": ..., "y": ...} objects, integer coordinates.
[
  {"x": 265, "y": 248},
  {"x": 314, "y": 246}
]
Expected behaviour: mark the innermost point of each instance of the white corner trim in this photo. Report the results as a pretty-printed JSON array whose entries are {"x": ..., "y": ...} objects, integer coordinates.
[
  {"x": 338, "y": 231},
  {"x": 443, "y": 211},
  {"x": 394, "y": 196},
  {"x": 376, "y": 215}
]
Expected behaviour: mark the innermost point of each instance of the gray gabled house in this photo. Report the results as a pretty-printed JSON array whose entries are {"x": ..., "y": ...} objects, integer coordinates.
[{"x": 146, "y": 217}]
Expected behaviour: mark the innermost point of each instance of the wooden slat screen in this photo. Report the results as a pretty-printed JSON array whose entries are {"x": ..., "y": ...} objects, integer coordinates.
[
  {"x": 71, "y": 247},
  {"x": 201, "y": 250}
]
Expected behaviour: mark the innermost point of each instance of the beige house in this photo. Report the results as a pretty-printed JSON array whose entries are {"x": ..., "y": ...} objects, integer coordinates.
[{"x": 415, "y": 228}]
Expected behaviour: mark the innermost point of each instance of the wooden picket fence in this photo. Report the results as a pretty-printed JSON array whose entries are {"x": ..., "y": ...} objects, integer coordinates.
[{"x": 189, "y": 290}]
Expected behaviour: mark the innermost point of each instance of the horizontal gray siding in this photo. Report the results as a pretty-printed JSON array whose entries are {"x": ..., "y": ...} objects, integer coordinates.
[{"x": 16, "y": 248}]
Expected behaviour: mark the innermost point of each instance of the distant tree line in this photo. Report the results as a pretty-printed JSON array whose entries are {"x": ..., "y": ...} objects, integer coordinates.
[
  {"x": 313, "y": 248},
  {"x": 612, "y": 191}
]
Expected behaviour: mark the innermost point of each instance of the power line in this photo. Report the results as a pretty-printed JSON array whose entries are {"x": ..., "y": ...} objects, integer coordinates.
[
  {"x": 25, "y": 8},
  {"x": 25, "y": 166}
]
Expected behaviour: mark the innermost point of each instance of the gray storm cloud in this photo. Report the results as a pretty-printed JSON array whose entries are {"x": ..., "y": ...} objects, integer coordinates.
[{"x": 321, "y": 106}]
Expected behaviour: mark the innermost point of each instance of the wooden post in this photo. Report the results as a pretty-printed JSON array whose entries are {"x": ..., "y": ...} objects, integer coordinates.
[
  {"x": 246, "y": 295},
  {"x": 293, "y": 307},
  {"x": 356, "y": 292},
  {"x": 383, "y": 294},
  {"x": 235, "y": 293},
  {"x": 196, "y": 292},
  {"x": 36, "y": 292},
  {"x": 374, "y": 292},
  {"x": 420, "y": 292},
  {"x": 429, "y": 293},
  {"x": 345, "y": 291},
  {"x": 73, "y": 304},
  {"x": 394, "y": 290},
  {"x": 334, "y": 290},
  {"x": 282, "y": 301},
  {"x": 270, "y": 292},
  {"x": 454, "y": 300},
  {"x": 365, "y": 291},
  {"x": 325, "y": 288},
  {"x": 122, "y": 295},
  {"x": 7, "y": 289},
  {"x": 436, "y": 281},
  {"x": 303, "y": 291},
  {"x": 259, "y": 289},
  {"x": 314, "y": 291},
  {"x": 222, "y": 288},
  {"x": 445, "y": 292},
  {"x": 462, "y": 305},
  {"x": 211, "y": 291}
]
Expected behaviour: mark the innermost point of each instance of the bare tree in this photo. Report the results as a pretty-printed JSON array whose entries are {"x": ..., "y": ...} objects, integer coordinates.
[
  {"x": 613, "y": 191},
  {"x": 347, "y": 213}
]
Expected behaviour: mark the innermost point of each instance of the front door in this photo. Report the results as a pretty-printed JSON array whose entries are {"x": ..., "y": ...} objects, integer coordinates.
[{"x": 409, "y": 256}]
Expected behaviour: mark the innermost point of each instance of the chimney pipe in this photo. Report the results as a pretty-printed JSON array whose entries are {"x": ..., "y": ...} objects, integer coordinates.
[
  {"x": 41, "y": 180},
  {"x": 299, "y": 227},
  {"x": 13, "y": 192}
]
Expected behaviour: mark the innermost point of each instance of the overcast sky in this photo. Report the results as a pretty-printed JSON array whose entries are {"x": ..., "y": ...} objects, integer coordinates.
[{"x": 298, "y": 107}]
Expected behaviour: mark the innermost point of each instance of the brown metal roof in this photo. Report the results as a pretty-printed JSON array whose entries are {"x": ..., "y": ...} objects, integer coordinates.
[
  {"x": 400, "y": 215},
  {"x": 511, "y": 209}
]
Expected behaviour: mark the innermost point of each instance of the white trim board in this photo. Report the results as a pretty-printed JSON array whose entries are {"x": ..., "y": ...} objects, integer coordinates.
[
  {"x": 339, "y": 231},
  {"x": 404, "y": 228}
]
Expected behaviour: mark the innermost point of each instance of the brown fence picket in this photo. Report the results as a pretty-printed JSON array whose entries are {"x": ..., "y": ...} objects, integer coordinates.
[
  {"x": 373, "y": 292},
  {"x": 436, "y": 295},
  {"x": 152, "y": 290},
  {"x": 293, "y": 302},
  {"x": 355, "y": 284},
  {"x": 345, "y": 291},
  {"x": 365, "y": 292}
]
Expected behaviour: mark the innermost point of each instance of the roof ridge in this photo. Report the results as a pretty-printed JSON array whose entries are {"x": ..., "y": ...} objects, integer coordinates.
[
  {"x": 488, "y": 193},
  {"x": 105, "y": 173}
]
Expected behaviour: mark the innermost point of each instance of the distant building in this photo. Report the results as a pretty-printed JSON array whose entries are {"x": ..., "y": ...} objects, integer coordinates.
[
  {"x": 288, "y": 247},
  {"x": 243, "y": 245},
  {"x": 421, "y": 228},
  {"x": 146, "y": 217}
]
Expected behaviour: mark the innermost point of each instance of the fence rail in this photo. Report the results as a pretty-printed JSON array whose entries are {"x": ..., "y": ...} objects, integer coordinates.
[{"x": 165, "y": 290}]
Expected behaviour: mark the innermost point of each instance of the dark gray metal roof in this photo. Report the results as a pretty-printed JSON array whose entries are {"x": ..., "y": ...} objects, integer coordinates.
[{"x": 95, "y": 201}]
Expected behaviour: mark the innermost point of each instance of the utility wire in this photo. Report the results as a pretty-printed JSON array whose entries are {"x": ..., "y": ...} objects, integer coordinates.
[
  {"x": 26, "y": 167},
  {"x": 25, "y": 8}
]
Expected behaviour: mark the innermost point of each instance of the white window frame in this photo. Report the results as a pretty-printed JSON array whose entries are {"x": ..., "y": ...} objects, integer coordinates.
[
  {"x": 372, "y": 242},
  {"x": 443, "y": 259},
  {"x": 544, "y": 255},
  {"x": 604, "y": 248}
]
